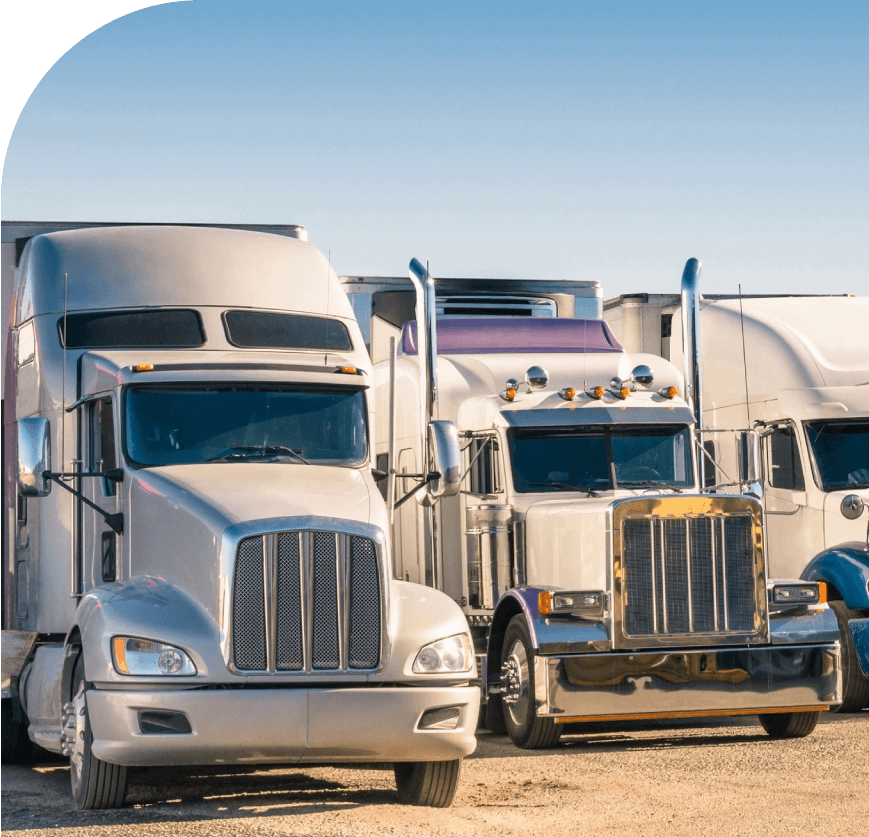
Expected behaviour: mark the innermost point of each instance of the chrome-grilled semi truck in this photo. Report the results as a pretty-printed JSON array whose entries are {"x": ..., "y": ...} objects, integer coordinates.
[
  {"x": 197, "y": 567},
  {"x": 599, "y": 580},
  {"x": 795, "y": 369}
]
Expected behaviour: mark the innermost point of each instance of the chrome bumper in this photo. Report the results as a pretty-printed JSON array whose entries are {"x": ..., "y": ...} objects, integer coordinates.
[
  {"x": 688, "y": 683},
  {"x": 284, "y": 725}
]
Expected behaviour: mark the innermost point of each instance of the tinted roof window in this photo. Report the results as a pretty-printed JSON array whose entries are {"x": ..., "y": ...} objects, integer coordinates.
[
  {"x": 152, "y": 329},
  {"x": 272, "y": 330}
]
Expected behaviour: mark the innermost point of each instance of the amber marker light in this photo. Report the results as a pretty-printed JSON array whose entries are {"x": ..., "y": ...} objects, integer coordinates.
[
  {"x": 568, "y": 393},
  {"x": 143, "y": 367},
  {"x": 597, "y": 392},
  {"x": 119, "y": 644},
  {"x": 668, "y": 392},
  {"x": 822, "y": 592},
  {"x": 622, "y": 392},
  {"x": 348, "y": 370},
  {"x": 544, "y": 603},
  {"x": 508, "y": 394}
]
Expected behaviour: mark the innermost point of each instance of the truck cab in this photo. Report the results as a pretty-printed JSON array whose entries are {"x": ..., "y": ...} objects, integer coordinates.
[{"x": 199, "y": 570}]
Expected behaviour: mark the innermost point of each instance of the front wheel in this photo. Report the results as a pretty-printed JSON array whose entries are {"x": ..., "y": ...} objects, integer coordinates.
[
  {"x": 789, "y": 724},
  {"x": 431, "y": 783},
  {"x": 96, "y": 784},
  {"x": 855, "y": 684},
  {"x": 525, "y": 728}
]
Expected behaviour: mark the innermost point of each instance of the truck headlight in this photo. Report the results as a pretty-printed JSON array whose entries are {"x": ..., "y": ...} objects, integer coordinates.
[
  {"x": 144, "y": 657},
  {"x": 446, "y": 656},
  {"x": 806, "y": 593}
]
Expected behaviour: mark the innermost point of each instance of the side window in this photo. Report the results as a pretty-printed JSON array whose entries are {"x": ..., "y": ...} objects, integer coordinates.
[
  {"x": 102, "y": 441},
  {"x": 782, "y": 455},
  {"x": 710, "y": 474},
  {"x": 483, "y": 474}
]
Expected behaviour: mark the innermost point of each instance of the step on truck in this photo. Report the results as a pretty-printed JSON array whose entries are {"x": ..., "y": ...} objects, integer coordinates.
[
  {"x": 197, "y": 568},
  {"x": 600, "y": 581},
  {"x": 796, "y": 370}
]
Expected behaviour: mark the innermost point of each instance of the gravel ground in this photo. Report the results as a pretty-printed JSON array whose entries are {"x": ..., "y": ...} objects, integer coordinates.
[{"x": 715, "y": 779}]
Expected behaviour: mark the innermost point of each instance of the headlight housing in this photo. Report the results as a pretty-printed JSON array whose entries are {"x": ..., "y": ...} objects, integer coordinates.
[
  {"x": 145, "y": 657},
  {"x": 452, "y": 655}
]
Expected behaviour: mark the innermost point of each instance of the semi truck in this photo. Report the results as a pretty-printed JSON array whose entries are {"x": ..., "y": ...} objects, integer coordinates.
[
  {"x": 599, "y": 580},
  {"x": 196, "y": 559},
  {"x": 795, "y": 369}
]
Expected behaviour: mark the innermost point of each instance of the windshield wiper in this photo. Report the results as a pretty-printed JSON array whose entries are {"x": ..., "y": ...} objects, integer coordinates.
[
  {"x": 586, "y": 489},
  {"x": 257, "y": 451},
  {"x": 649, "y": 484}
]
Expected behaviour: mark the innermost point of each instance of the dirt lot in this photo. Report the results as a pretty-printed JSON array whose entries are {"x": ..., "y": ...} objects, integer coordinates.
[{"x": 719, "y": 778}]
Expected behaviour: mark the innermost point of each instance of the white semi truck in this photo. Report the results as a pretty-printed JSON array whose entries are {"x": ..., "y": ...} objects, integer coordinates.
[
  {"x": 796, "y": 369},
  {"x": 196, "y": 562},
  {"x": 598, "y": 579}
]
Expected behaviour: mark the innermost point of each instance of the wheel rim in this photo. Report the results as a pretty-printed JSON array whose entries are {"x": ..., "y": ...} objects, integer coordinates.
[
  {"x": 516, "y": 684},
  {"x": 76, "y": 758}
]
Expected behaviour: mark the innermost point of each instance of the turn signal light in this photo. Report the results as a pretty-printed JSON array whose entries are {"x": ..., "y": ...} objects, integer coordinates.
[
  {"x": 348, "y": 370},
  {"x": 144, "y": 367}
]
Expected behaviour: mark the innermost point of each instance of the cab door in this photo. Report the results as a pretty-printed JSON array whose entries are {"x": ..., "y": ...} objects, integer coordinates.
[{"x": 99, "y": 545}]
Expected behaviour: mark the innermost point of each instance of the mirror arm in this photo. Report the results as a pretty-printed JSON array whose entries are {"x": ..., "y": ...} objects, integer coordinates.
[
  {"x": 114, "y": 521},
  {"x": 434, "y": 475}
]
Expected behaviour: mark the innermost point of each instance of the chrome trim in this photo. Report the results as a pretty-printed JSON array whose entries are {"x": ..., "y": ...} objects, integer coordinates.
[
  {"x": 717, "y": 510},
  {"x": 702, "y": 682},
  {"x": 304, "y": 527}
]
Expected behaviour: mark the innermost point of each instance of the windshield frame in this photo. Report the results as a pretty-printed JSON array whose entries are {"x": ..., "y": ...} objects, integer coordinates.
[
  {"x": 343, "y": 387},
  {"x": 607, "y": 432},
  {"x": 813, "y": 454}
]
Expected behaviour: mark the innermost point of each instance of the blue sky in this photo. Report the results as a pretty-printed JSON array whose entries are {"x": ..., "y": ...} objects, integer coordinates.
[{"x": 602, "y": 140}]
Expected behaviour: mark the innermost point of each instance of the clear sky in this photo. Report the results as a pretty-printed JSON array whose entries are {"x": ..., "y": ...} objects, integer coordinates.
[{"x": 604, "y": 140}]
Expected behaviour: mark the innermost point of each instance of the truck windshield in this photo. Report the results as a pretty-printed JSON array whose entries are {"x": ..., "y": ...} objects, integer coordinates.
[
  {"x": 172, "y": 425},
  {"x": 841, "y": 450},
  {"x": 595, "y": 458}
]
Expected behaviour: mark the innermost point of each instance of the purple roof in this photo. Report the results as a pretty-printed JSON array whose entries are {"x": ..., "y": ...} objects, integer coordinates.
[{"x": 497, "y": 335}]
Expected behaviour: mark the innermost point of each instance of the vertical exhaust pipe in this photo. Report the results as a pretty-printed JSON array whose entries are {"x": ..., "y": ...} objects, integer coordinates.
[
  {"x": 426, "y": 338},
  {"x": 691, "y": 352}
]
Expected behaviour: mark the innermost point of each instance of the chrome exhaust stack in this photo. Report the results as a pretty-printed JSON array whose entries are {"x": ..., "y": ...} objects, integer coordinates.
[
  {"x": 691, "y": 352},
  {"x": 426, "y": 338}
]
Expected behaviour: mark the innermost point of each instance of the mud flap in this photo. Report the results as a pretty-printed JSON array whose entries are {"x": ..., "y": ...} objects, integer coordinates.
[{"x": 860, "y": 633}]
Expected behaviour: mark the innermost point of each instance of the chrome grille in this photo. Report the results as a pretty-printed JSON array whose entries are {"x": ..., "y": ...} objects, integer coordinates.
[
  {"x": 306, "y": 602},
  {"x": 688, "y": 575}
]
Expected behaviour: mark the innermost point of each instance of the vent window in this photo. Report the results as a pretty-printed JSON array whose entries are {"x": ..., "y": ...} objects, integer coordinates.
[
  {"x": 152, "y": 329},
  {"x": 273, "y": 330}
]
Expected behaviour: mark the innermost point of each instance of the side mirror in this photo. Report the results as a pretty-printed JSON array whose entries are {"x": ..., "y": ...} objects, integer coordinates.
[
  {"x": 34, "y": 457},
  {"x": 748, "y": 455},
  {"x": 444, "y": 445}
]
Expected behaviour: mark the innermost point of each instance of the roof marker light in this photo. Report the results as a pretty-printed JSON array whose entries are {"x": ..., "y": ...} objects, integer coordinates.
[
  {"x": 597, "y": 392},
  {"x": 568, "y": 393},
  {"x": 668, "y": 392}
]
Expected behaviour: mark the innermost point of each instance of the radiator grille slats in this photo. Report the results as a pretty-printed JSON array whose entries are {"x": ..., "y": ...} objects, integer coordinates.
[
  {"x": 688, "y": 575},
  {"x": 306, "y": 602}
]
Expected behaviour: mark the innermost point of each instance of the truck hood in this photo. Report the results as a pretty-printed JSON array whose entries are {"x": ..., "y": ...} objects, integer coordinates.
[{"x": 178, "y": 513}]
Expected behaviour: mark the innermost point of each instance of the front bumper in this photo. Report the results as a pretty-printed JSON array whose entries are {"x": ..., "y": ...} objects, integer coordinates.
[
  {"x": 688, "y": 683},
  {"x": 249, "y": 726}
]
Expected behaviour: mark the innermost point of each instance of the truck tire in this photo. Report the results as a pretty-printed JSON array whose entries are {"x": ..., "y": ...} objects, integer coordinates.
[
  {"x": 431, "y": 783},
  {"x": 789, "y": 724},
  {"x": 526, "y": 730},
  {"x": 96, "y": 784},
  {"x": 855, "y": 684}
]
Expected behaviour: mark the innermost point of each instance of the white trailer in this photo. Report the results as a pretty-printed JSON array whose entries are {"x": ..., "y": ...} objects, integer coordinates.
[
  {"x": 196, "y": 563},
  {"x": 599, "y": 581},
  {"x": 795, "y": 368}
]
